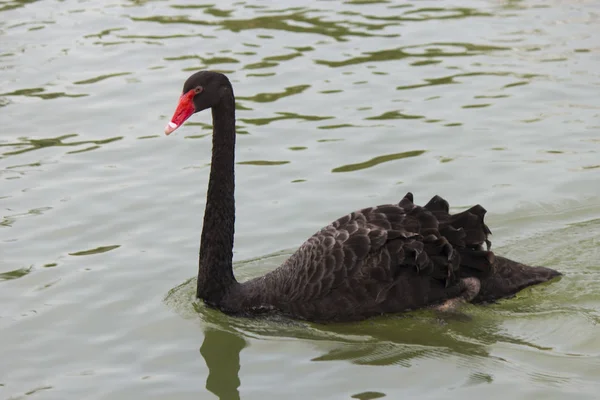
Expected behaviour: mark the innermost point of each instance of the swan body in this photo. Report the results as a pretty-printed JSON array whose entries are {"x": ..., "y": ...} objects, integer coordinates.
[{"x": 385, "y": 259}]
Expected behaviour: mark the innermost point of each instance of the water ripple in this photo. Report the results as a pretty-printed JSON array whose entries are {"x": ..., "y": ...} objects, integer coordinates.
[
  {"x": 262, "y": 162},
  {"x": 502, "y": 95},
  {"x": 15, "y": 274},
  {"x": 26, "y": 145},
  {"x": 283, "y": 116},
  {"x": 270, "y": 97},
  {"x": 97, "y": 250},
  {"x": 430, "y": 50},
  {"x": 296, "y": 21},
  {"x": 101, "y": 78},
  {"x": 40, "y": 92},
  {"x": 378, "y": 160}
]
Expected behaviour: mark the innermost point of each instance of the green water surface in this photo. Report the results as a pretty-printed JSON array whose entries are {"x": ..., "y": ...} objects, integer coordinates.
[{"x": 341, "y": 105}]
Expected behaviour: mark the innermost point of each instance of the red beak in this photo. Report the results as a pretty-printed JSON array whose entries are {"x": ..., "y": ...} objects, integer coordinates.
[{"x": 184, "y": 110}]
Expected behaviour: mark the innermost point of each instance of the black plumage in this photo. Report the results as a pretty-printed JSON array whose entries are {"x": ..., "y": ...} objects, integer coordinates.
[{"x": 377, "y": 260}]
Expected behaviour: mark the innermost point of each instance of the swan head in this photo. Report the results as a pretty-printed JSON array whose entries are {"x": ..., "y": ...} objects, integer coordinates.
[{"x": 202, "y": 90}]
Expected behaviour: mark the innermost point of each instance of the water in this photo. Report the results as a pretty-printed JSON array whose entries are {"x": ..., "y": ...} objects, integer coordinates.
[{"x": 341, "y": 105}]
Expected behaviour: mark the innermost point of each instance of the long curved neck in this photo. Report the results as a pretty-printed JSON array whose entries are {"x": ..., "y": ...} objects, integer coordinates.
[{"x": 215, "y": 271}]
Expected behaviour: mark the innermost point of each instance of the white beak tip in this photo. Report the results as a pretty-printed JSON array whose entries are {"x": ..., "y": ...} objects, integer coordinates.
[{"x": 171, "y": 126}]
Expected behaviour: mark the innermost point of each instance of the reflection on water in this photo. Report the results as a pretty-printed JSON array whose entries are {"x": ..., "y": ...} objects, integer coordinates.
[
  {"x": 379, "y": 342},
  {"x": 368, "y": 395},
  {"x": 262, "y": 162},
  {"x": 41, "y": 93},
  {"x": 451, "y": 79},
  {"x": 378, "y": 160},
  {"x": 296, "y": 21},
  {"x": 283, "y": 116},
  {"x": 269, "y": 97},
  {"x": 426, "y": 51},
  {"x": 474, "y": 335},
  {"x": 221, "y": 352},
  {"x": 101, "y": 78},
  {"x": 97, "y": 250},
  {"x": 26, "y": 145},
  {"x": 8, "y": 220},
  {"x": 17, "y": 273}
]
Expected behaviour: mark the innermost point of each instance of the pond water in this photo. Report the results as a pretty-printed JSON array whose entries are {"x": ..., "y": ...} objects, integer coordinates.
[{"x": 341, "y": 105}]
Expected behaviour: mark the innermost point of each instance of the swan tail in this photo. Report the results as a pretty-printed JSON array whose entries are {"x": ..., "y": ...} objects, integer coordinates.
[
  {"x": 470, "y": 257},
  {"x": 510, "y": 277}
]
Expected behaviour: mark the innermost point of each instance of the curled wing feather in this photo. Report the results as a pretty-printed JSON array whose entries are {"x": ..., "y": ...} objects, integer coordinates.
[{"x": 360, "y": 262}]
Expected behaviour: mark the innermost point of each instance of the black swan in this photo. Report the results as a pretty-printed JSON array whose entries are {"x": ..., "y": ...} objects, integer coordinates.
[{"x": 385, "y": 259}]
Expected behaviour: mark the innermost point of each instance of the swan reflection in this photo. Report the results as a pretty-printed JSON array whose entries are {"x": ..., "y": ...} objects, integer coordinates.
[
  {"x": 221, "y": 352},
  {"x": 382, "y": 341}
]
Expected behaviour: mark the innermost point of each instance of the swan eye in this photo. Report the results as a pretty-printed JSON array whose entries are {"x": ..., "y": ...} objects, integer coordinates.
[{"x": 198, "y": 89}]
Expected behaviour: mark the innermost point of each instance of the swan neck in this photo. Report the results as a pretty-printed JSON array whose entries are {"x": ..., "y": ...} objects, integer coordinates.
[{"x": 215, "y": 271}]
